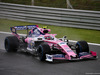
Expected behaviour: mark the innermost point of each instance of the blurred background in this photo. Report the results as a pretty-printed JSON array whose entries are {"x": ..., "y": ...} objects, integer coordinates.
[{"x": 75, "y": 4}]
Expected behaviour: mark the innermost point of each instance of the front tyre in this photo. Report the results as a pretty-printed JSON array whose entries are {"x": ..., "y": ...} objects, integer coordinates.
[
  {"x": 82, "y": 46},
  {"x": 11, "y": 43},
  {"x": 43, "y": 49}
]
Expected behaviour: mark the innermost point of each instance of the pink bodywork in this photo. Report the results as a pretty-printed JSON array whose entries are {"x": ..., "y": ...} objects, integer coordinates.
[
  {"x": 93, "y": 53},
  {"x": 60, "y": 44},
  {"x": 65, "y": 49}
]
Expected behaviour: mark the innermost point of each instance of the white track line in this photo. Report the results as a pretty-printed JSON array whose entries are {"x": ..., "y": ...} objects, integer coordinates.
[{"x": 69, "y": 40}]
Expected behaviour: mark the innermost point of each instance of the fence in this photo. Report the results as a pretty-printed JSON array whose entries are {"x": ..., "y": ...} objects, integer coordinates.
[{"x": 52, "y": 16}]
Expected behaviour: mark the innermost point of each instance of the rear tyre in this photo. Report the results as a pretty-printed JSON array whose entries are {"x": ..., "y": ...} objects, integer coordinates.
[
  {"x": 43, "y": 49},
  {"x": 82, "y": 46},
  {"x": 11, "y": 43}
]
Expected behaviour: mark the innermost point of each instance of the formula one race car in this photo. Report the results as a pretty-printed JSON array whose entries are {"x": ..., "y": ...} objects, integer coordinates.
[{"x": 46, "y": 46}]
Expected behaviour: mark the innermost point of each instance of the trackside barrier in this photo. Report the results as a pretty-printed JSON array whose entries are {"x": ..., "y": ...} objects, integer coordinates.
[{"x": 52, "y": 16}]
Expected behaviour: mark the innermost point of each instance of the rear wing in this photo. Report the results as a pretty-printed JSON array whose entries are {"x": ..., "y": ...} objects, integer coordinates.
[{"x": 27, "y": 27}]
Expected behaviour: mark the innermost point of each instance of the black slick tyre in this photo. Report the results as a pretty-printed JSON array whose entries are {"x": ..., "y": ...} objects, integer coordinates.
[
  {"x": 11, "y": 43},
  {"x": 82, "y": 46},
  {"x": 43, "y": 49}
]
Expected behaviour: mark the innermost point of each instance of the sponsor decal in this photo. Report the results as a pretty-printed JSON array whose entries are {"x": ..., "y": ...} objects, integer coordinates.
[
  {"x": 49, "y": 58},
  {"x": 30, "y": 27},
  {"x": 59, "y": 56},
  {"x": 68, "y": 49},
  {"x": 25, "y": 27},
  {"x": 13, "y": 30},
  {"x": 20, "y": 27},
  {"x": 62, "y": 43}
]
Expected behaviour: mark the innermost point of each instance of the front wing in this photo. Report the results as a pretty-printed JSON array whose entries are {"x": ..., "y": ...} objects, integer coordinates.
[{"x": 83, "y": 55}]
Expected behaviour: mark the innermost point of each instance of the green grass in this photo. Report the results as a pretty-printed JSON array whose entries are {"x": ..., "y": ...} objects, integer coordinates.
[
  {"x": 77, "y": 4},
  {"x": 92, "y": 36}
]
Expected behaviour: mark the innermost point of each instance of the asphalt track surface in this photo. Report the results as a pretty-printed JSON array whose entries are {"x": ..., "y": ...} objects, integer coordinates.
[{"x": 25, "y": 64}]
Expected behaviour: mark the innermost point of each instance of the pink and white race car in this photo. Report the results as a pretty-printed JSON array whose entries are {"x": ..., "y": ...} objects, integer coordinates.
[{"x": 46, "y": 46}]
